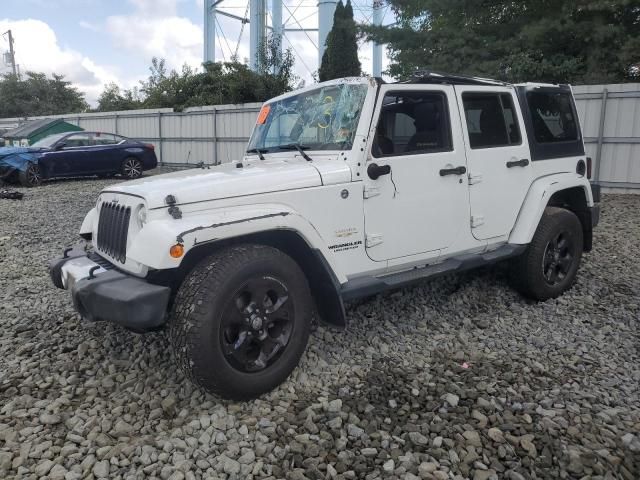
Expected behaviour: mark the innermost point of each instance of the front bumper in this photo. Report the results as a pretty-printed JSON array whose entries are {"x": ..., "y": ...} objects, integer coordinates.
[{"x": 101, "y": 293}]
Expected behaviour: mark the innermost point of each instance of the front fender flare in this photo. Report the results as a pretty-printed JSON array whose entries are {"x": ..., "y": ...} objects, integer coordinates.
[
  {"x": 537, "y": 200},
  {"x": 151, "y": 245}
]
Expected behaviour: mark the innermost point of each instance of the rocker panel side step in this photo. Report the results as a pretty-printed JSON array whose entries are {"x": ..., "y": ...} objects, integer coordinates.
[{"x": 365, "y": 286}]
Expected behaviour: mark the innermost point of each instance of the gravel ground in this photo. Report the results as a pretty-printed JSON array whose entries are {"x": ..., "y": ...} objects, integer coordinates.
[{"x": 455, "y": 378}]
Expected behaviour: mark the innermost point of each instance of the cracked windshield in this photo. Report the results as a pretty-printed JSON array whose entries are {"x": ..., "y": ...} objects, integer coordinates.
[{"x": 321, "y": 119}]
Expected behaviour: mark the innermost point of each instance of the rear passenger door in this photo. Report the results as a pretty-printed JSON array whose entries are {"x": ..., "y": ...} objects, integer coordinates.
[{"x": 500, "y": 170}]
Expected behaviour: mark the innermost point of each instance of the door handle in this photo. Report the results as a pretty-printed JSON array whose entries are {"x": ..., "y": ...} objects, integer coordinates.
[
  {"x": 375, "y": 171},
  {"x": 518, "y": 163},
  {"x": 453, "y": 171}
]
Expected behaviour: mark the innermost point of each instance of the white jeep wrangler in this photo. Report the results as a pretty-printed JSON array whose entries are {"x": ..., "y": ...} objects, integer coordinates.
[{"x": 349, "y": 187}]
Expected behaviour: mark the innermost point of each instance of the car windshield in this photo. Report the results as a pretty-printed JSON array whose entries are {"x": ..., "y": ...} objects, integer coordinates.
[
  {"x": 47, "y": 142},
  {"x": 322, "y": 119}
]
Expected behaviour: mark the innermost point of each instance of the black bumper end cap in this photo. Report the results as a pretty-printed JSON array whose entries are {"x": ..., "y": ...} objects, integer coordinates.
[
  {"x": 55, "y": 265},
  {"x": 595, "y": 191},
  {"x": 119, "y": 298},
  {"x": 595, "y": 215}
]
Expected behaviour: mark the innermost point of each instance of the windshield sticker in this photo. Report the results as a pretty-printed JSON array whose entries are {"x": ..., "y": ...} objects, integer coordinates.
[{"x": 264, "y": 113}]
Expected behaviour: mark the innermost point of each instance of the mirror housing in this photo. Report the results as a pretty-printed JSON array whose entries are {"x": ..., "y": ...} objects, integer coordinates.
[{"x": 59, "y": 146}]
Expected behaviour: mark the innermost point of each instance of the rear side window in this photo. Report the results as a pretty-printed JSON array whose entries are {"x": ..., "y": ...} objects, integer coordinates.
[
  {"x": 105, "y": 139},
  {"x": 552, "y": 117},
  {"x": 491, "y": 120}
]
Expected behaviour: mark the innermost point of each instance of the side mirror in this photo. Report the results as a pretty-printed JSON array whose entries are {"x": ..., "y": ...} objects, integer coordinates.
[
  {"x": 60, "y": 146},
  {"x": 375, "y": 171}
]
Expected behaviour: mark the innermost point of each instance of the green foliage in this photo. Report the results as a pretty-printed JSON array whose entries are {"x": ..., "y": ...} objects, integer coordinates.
[
  {"x": 340, "y": 59},
  {"x": 218, "y": 83},
  {"x": 577, "y": 41},
  {"x": 112, "y": 99},
  {"x": 36, "y": 94}
]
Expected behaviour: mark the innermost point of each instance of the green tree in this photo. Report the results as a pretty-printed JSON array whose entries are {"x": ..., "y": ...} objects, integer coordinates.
[
  {"x": 37, "y": 94},
  {"x": 340, "y": 59},
  {"x": 112, "y": 99},
  {"x": 218, "y": 83},
  {"x": 577, "y": 41}
]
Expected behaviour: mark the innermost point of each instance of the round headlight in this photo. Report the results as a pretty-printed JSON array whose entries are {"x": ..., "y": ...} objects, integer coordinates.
[{"x": 142, "y": 215}]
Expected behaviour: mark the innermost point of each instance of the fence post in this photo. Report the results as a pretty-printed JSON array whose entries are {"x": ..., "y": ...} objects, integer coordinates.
[
  {"x": 215, "y": 136},
  {"x": 115, "y": 120},
  {"x": 603, "y": 114},
  {"x": 160, "y": 137}
]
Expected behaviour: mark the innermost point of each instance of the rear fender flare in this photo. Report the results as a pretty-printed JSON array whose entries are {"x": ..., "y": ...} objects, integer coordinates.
[{"x": 537, "y": 200}]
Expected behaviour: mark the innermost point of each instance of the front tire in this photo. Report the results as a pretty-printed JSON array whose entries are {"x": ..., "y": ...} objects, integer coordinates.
[
  {"x": 132, "y": 168},
  {"x": 550, "y": 264},
  {"x": 241, "y": 321},
  {"x": 31, "y": 177}
]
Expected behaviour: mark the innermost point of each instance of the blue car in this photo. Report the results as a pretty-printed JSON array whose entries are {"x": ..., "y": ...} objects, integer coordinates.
[{"x": 76, "y": 154}]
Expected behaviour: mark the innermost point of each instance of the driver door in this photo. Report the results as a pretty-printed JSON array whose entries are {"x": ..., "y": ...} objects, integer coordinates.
[
  {"x": 421, "y": 204},
  {"x": 72, "y": 158}
]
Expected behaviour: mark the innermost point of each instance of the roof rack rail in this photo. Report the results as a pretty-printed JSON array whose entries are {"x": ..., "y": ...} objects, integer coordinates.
[{"x": 426, "y": 76}]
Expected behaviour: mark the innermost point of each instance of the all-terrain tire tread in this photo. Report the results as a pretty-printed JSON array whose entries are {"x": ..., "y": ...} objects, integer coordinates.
[
  {"x": 526, "y": 268},
  {"x": 190, "y": 313}
]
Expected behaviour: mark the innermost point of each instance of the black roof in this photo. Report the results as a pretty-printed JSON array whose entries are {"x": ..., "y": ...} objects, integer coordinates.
[
  {"x": 425, "y": 76},
  {"x": 31, "y": 127}
]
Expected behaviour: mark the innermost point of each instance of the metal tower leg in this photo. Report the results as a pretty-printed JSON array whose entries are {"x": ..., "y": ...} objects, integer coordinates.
[
  {"x": 376, "y": 56},
  {"x": 209, "y": 31}
]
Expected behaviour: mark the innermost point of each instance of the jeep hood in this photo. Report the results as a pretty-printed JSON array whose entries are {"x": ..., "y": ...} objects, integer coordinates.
[{"x": 225, "y": 181}]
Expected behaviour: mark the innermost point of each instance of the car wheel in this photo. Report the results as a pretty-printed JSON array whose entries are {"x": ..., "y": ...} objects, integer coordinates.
[
  {"x": 132, "y": 168},
  {"x": 241, "y": 321},
  {"x": 31, "y": 177},
  {"x": 550, "y": 264}
]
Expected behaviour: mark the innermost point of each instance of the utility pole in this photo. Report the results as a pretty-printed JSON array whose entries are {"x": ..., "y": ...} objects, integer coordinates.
[{"x": 12, "y": 53}]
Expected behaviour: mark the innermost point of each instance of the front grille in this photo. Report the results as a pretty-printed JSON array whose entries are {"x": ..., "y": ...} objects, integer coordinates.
[
  {"x": 103, "y": 262},
  {"x": 113, "y": 227}
]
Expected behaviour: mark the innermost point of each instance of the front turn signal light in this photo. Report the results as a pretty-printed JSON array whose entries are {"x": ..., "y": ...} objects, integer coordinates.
[{"x": 177, "y": 250}]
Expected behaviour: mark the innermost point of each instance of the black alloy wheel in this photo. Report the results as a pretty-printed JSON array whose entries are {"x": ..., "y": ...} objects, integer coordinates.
[
  {"x": 558, "y": 259},
  {"x": 257, "y": 324}
]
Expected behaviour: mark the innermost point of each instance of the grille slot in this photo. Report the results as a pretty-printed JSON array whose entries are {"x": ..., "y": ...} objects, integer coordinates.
[{"x": 113, "y": 227}]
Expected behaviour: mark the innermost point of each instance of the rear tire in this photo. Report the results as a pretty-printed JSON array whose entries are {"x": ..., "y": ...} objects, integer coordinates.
[
  {"x": 241, "y": 321},
  {"x": 31, "y": 177},
  {"x": 131, "y": 168},
  {"x": 549, "y": 265}
]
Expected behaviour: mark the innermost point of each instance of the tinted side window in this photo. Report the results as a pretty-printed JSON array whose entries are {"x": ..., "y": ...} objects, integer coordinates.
[
  {"x": 105, "y": 139},
  {"x": 412, "y": 123},
  {"x": 491, "y": 120},
  {"x": 552, "y": 117},
  {"x": 77, "y": 140}
]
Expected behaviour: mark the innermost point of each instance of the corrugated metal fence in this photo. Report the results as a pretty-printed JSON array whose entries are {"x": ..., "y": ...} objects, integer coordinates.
[
  {"x": 609, "y": 115},
  {"x": 212, "y": 135},
  {"x": 610, "y": 120}
]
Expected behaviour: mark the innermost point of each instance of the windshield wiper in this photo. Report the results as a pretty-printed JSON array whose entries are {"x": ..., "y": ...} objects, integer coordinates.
[
  {"x": 259, "y": 151},
  {"x": 299, "y": 148}
]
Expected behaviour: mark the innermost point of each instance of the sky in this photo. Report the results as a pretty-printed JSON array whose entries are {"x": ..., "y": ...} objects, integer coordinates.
[{"x": 95, "y": 42}]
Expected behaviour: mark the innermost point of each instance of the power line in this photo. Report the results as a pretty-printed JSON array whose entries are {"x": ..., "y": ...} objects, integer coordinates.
[
  {"x": 301, "y": 27},
  {"x": 298, "y": 54},
  {"x": 246, "y": 12},
  {"x": 224, "y": 57}
]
